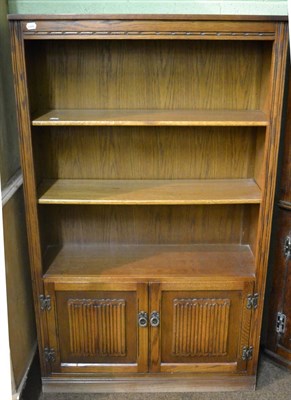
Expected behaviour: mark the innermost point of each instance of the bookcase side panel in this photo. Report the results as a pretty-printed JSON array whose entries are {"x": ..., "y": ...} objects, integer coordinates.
[{"x": 27, "y": 162}]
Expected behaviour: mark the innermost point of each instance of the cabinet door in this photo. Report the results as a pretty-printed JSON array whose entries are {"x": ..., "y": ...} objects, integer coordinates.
[
  {"x": 93, "y": 327},
  {"x": 280, "y": 299},
  {"x": 203, "y": 326}
]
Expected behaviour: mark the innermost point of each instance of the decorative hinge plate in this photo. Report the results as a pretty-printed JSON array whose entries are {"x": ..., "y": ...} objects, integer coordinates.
[
  {"x": 252, "y": 301},
  {"x": 49, "y": 355},
  {"x": 287, "y": 247},
  {"x": 45, "y": 302},
  {"x": 281, "y": 323},
  {"x": 247, "y": 353}
]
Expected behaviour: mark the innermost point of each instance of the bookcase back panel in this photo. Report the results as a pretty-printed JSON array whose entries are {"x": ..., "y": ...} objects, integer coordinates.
[
  {"x": 148, "y": 152},
  {"x": 250, "y": 227},
  {"x": 147, "y": 74},
  {"x": 215, "y": 224}
]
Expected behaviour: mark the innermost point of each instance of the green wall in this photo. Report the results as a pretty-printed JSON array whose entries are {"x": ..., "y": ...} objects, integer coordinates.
[
  {"x": 247, "y": 7},
  {"x": 9, "y": 160}
]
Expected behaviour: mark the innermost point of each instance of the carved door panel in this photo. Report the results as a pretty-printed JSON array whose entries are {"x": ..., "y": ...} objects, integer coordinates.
[
  {"x": 93, "y": 327},
  {"x": 203, "y": 327}
]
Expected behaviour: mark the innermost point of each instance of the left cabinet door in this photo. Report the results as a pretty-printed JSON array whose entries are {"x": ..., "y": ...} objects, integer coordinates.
[{"x": 94, "y": 327}]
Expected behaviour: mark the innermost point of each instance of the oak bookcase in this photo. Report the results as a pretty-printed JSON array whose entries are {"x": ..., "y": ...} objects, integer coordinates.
[{"x": 149, "y": 152}]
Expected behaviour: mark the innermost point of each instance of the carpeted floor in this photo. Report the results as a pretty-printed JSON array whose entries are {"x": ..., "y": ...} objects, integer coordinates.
[{"x": 274, "y": 383}]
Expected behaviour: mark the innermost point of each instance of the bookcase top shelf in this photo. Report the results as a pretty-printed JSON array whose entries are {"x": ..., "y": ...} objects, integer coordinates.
[
  {"x": 125, "y": 117},
  {"x": 198, "y": 191}
]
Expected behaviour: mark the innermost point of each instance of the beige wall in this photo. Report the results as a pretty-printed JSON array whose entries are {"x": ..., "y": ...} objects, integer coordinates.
[{"x": 20, "y": 306}]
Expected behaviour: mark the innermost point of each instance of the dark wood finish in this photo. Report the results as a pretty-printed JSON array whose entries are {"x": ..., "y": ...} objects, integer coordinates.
[
  {"x": 150, "y": 187},
  {"x": 278, "y": 68},
  {"x": 278, "y": 346},
  {"x": 282, "y": 278},
  {"x": 284, "y": 195}
]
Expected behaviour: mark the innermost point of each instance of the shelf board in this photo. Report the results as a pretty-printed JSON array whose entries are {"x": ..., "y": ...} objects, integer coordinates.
[
  {"x": 203, "y": 191},
  {"x": 85, "y": 117},
  {"x": 205, "y": 261}
]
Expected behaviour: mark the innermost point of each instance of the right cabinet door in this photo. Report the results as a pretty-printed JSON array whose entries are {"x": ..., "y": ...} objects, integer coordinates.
[{"x": 202, "y": 326}]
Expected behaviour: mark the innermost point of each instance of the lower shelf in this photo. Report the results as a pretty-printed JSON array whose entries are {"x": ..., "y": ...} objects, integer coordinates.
[{"x": 99, "y": 262}]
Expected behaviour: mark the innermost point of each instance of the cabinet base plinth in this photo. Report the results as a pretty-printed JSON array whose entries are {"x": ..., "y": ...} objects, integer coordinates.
[{"x": 150, "y": 385}]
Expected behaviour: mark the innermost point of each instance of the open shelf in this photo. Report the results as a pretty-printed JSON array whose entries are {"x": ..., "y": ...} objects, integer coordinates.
[
  {"x": 206, "y": 261},
  {"x": 85, "y": 117},
  {"x": 204, "y": 191}
]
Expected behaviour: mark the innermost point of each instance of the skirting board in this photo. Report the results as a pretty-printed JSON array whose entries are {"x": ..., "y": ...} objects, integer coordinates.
[
  {"x": 11, "y": 187},
  {"x": 138, "y": 385}
]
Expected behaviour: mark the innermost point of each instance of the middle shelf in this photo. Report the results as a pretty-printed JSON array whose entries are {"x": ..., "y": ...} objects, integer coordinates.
[
  {"x": 144, "y": 117},
  {"x": 185, "y": 191}
]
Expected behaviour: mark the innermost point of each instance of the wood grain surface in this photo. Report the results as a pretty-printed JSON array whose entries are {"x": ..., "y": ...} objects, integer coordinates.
[
  {"x": 151, "y": 224},
  {"x": 215, "y": 262},
  {"x": 134, "y": 117},
  {"x": 211, "y": 191},
  {"x": 148, "y": 152},
  {"x": 173, "y": 75}
]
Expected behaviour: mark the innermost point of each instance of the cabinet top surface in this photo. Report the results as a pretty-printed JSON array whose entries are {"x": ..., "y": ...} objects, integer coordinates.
[{"x": 192, "y": 17}]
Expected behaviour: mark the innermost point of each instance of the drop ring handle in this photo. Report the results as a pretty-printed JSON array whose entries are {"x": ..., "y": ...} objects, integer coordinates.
[
  {"x": 155, "y": 319},
  {"x": 142, "y": 319}
]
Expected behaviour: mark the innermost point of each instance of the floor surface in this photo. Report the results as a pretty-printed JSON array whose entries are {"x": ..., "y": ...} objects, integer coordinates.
[{"x": 273, "y": 383}]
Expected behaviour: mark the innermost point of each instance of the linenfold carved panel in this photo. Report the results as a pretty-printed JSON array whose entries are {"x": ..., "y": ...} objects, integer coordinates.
[
  {"x": 97, "y": 327},
  {"x": 200, "y": 327}
]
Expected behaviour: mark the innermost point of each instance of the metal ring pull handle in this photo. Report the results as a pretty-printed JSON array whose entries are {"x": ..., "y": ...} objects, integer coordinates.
[
  {"x": 287, "y": 247},
  {"x": 143, "y": 319},
  {"x": 155, "y": 319}
]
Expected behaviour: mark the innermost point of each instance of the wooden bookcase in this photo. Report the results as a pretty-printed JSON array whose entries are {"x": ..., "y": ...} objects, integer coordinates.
[{"x": 149, "y": 151}]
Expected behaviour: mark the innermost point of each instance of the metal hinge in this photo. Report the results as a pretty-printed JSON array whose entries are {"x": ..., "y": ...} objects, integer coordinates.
[
  {"x": 49, "y": 355},
  {"x": 287, "y": 247},
  {"x": 281, "y": 322},
  {"x": 247, "y": 353},
  {"x": 45, "y": 302},
  {"x": 252, "y": 301}
]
